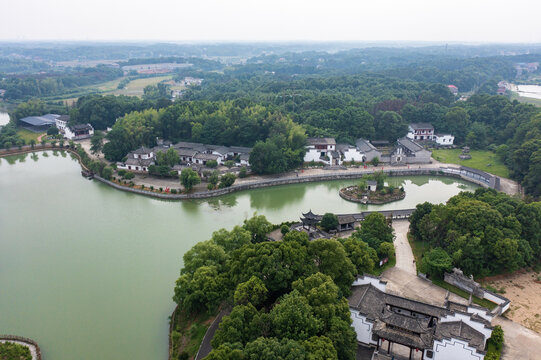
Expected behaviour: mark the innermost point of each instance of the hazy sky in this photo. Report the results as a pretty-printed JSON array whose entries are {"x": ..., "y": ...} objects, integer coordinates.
[{"x": 267, "y": 20}]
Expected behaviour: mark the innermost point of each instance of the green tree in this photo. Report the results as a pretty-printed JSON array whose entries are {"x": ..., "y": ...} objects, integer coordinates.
[
  {"x": 53, "y": 130},
  {"x": 189, "y": 178},
  {"x": 329, "y": 221},
  {"x": 211, "y": 164},
  {"x": 32, "y": 143},
  {"x": 284, "y": 229},
  {"x": 252, "y": 291},
  {"x": 361, "y": 255},
  {"x": 320, "y": 348},
  {"x": 259, "y": 227},
  {"x": 231, "y": 240},
  {"x": 436, "y": 262},
  {"x": 107, "y": 172},
  {"x": 227, "y": 180},
  {"x": 375, "y": 230},
  {"x": 172, "y": 157},
  {"x": 293, "y": 318},
  {"x": 375, "y": 161},
  {"x": 214, "y": 178},
  {"x": 385, "y": 249},
  {"x": 390, "y": 125},
  {"x": 331, "y": 259},
  {"x": 96, "y": 142}
]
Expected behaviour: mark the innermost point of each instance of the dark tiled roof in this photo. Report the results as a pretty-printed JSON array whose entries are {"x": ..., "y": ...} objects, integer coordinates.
[
  {"x": 344, "y": 147},
  {"x": 140, "y": 162},
  {"x": 186, "y": 152},
  {"x": 202, "y": 156},
  {"x": 371, "y": 182},
  {"x": 64, "y": 117},
  {"x": 142, "y": 150},
  {"x": 80, "y": 127},
  {"x": 321, "y": 141},
  {"x": 416, "y": 331},
  {"x": 186, "y": 145},
  {"x": 410, "y": 145},
  {"x": 461, "y": 330},
  {"x": 421, "y": 126},
  {"x": 345, "y": 219},
  {"x": 365, "y": 145},
  {"x": 240, "y": 149}
]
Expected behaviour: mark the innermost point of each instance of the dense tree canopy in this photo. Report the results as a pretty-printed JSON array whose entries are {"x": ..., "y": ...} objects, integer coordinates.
[{"x": 482, "y": 233}]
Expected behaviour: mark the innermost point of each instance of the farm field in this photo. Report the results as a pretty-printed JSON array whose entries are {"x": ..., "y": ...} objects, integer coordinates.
[
  {"x": 135, "y": 87},
  {"x": 481, "y": 159}
]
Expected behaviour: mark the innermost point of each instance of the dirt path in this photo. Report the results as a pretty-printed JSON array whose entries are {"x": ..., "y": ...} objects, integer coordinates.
[{"x": 523, "y": 288}]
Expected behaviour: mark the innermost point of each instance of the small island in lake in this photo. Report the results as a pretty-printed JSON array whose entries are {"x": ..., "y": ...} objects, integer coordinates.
[{"x": 372, "y": 190}]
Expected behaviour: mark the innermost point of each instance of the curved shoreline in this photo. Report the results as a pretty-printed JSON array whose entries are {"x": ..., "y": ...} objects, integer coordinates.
[{"x": 430, "y": 171}]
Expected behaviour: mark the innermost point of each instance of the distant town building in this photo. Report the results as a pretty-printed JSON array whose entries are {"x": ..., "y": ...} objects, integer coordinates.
[
  {"x": 420, "y": 131},
  {"x": 453, "y": 89},
  {"x": 2, "y": 92}
]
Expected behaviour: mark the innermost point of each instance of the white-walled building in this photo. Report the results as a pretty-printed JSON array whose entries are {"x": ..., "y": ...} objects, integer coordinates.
[
  {"x": 138, "y": 160},
  {"x": 420, "y": 131},
  {"x": 78, "y": 132},
  {"x": 61, "y": 122},
  {"x": 444, "y": 139},
  {"x": 322, "y": 150},
  {"x": 388, "y": 321},
  {"x": 350, "y": 153}
]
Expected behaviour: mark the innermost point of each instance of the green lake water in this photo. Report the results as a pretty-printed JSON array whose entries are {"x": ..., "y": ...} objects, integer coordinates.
[{"x": 88, "y": 271}]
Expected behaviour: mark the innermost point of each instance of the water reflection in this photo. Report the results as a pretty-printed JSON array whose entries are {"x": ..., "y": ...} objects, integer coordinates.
[
  {"x": 219, "y": 203},
  {"x": 13, "y": 159},
  {"x": 275, "y": 198},
  {"x": 34, "y": 156}
]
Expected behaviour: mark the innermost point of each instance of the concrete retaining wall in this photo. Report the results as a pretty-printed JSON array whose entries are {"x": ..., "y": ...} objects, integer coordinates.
[
  {"x": 276, "y": 182},
  {"x": 34, "y": 347}
]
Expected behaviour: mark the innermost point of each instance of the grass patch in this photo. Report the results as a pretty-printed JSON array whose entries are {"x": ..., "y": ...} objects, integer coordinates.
[
  {"x": 391, "y": 263},
  {"x": 418, "y": 248},
  {"x": 28, "y": 135},
  {"x": 493, "y": 350},
  {"x": 188, "y": 331},
  {"x": 481, "y": 302},
  {"x": 136, "y": 87},
  {"x": 481, "y": 159},
  {"x": 525, "y": 100}
]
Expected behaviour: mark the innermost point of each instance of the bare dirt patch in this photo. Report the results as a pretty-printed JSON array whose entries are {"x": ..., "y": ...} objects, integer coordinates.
[{"x": 524, "y": 290}]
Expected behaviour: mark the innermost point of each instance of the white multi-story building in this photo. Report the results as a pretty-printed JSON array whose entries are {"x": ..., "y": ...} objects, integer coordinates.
[{"x": 420, "y": 131}]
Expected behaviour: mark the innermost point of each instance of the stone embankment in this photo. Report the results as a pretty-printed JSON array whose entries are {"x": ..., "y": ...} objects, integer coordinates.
[
  {"x": 31, "y": 344},
  {"x": 324, "y": 175}
]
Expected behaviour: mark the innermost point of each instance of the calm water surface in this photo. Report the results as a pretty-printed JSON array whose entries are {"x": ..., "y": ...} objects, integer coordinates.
[{"x": 88, "y": 271}]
